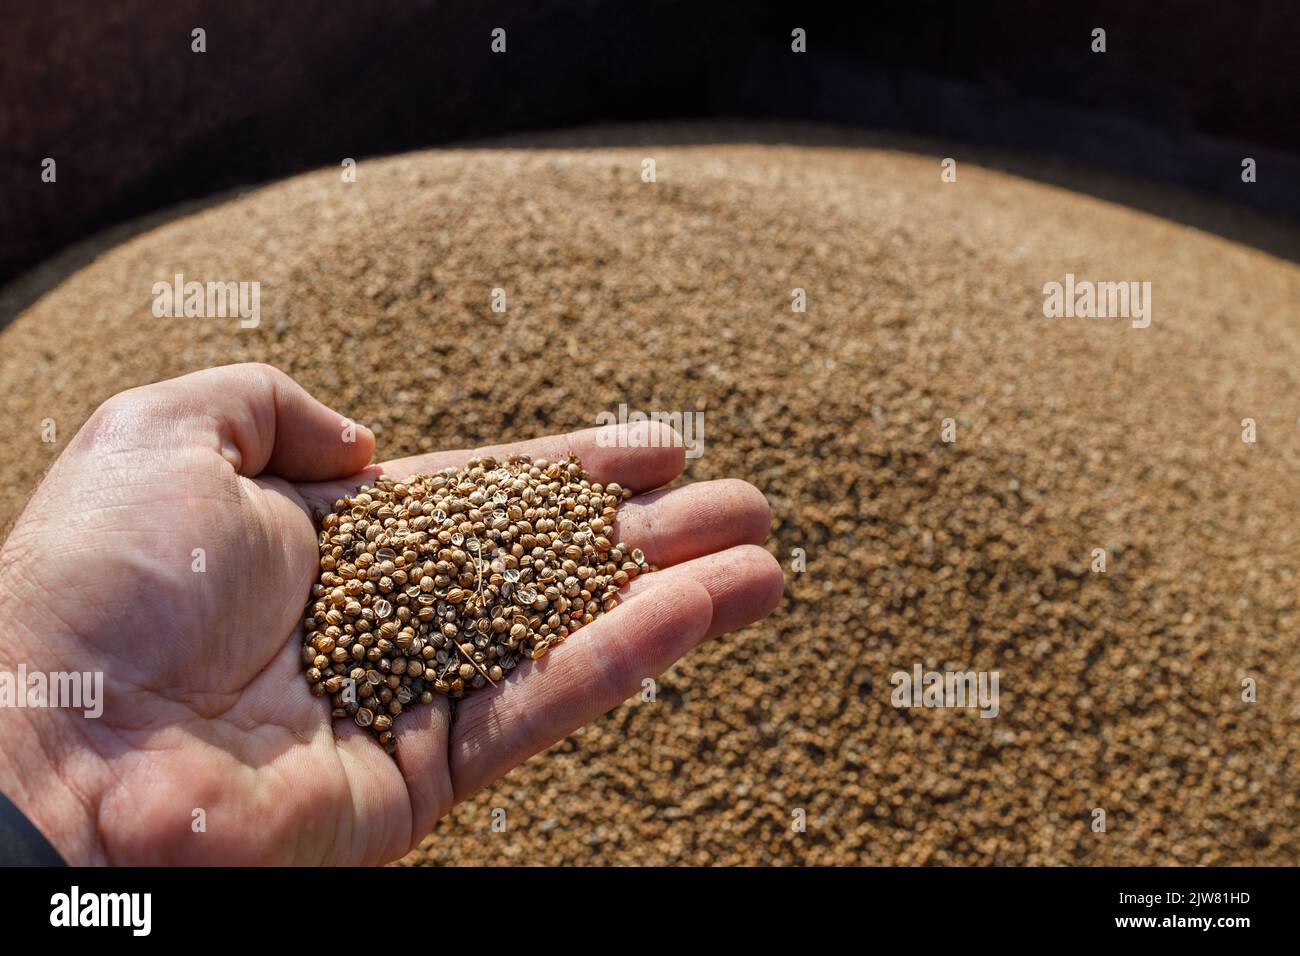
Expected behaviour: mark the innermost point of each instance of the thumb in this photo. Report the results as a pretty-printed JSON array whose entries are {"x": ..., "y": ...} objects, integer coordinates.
[{"x": 260, "y": 419}]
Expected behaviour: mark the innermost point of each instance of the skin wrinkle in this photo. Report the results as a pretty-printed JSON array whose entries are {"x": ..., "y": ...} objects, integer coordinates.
[
  {"x": 223, "y": 443},
  {"x": 292, "y": 609},
  {"x": 415, "y": 835},
  {"x": 68, "y": 629},
  {"x": 263, "y": 432},
  {"x": 164, "y": 696},
  {"x": 201, "y": 731},
  {"x": 137, "y": 750},
  {"x": 594, "y": 665},
  {"x": 52, "y": 609},
  {"x": 345, "y": 763},
  {"x": 122, "y": 417},
  {"x": 319, "y": 847},
  {"x": 648, "y": 530},
  {"x": 628, "y": 662},
  {"x": 607, "y": 658},
  {"x": 321, "y": 499},
  {"x": 487, "y": 726},
  {"x": 163, "y": 692},
  {"x": 254, "y": 722},
  {"x": 140, "y": 758},
  {"x": 472, "y": 736},
  {"x": 449, "y": 762},
  {"x": 352, "y": 762},
  {"x": 273, "y": 765},
  {"x": 91, "y": 804},
  {"x": 286, "y": 491}
]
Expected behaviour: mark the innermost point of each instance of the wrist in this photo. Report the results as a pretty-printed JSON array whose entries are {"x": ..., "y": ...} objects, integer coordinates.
[{"x": 48, "y": 769}]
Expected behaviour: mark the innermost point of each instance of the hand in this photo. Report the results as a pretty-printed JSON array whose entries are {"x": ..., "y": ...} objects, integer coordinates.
[{"x": 205, "y": 705}]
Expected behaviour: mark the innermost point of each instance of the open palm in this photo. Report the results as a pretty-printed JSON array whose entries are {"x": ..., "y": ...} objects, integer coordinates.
[{"x": 172, "y": 547}]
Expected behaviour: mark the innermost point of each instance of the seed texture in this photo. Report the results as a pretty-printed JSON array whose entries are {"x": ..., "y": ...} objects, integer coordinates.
[{"x": 445, "y": 583}]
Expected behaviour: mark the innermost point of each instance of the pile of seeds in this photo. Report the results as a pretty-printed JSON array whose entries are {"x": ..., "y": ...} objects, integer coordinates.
[
  {"x": 441, "y": 584},
  {"x": 1120, "y": 690}
]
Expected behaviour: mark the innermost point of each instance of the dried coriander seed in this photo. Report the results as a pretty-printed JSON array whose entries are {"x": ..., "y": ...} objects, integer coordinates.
[{"x": 442, "y": 584}]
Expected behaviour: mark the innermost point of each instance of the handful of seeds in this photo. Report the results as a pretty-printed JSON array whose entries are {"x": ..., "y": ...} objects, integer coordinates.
[{"x": 441, "y": 584}]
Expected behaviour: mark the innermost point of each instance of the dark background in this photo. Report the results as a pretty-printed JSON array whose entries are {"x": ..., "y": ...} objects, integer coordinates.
[{"x": 137, "y": 122}]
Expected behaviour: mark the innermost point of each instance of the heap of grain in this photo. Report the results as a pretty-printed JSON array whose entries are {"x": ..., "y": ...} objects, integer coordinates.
[{"x": 1121, "y": 690}]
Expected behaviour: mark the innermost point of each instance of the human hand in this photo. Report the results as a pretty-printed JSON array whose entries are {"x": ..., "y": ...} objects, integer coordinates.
[{"x": 205, "y": 707}]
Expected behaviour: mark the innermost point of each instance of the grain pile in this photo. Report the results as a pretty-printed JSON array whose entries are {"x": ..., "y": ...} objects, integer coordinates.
[
  {"x": 1120, "y": 690},
  {"x": 441, "y": 584}
]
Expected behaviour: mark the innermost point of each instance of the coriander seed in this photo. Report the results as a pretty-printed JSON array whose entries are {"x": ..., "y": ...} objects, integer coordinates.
[{"x": 442, "y": 584}]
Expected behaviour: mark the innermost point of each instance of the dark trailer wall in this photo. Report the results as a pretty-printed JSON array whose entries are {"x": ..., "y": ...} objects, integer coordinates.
[{"x": 137, "y": 121}]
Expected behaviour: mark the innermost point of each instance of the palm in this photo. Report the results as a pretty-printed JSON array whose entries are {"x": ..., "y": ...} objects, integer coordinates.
[{"x": 217, "y": 751}]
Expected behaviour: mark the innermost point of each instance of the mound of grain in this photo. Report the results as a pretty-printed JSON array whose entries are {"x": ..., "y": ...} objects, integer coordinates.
[{"x": 1120, "y": 690}]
